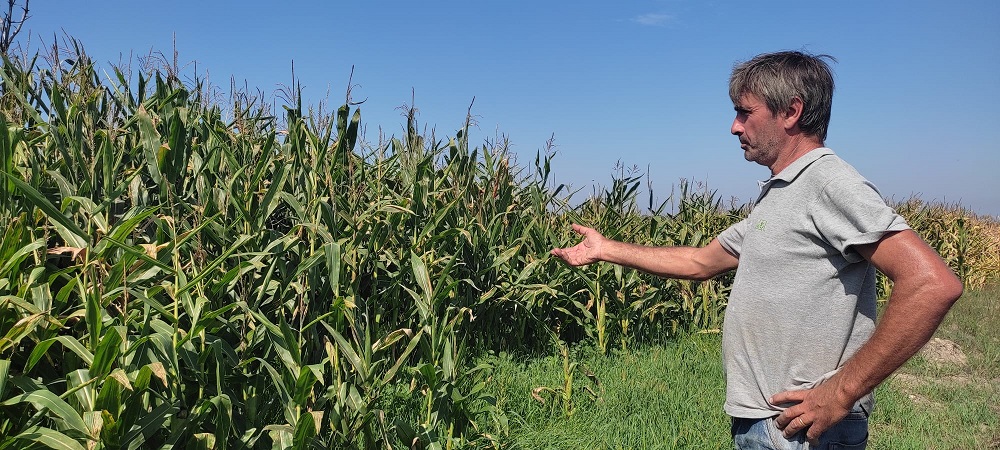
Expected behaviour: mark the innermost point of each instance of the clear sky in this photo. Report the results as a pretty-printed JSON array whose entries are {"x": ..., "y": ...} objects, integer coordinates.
[{"x": 643, "y": 82}]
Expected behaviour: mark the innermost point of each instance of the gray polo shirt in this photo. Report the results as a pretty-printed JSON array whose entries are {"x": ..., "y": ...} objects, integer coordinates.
[{"x": 803, "y": 299}]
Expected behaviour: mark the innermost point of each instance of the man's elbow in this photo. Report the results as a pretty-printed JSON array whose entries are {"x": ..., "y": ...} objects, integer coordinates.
[
  {"x": 944, "y": 288},
  {"x": 700, "y": 276},
  {"x": 950, "y": 288},
  {"x": 704, "y": 272}
]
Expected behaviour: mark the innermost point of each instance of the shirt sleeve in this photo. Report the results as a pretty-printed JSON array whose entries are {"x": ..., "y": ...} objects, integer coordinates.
[
  {"x": 732, "y": 238},
  {"x": 852, "y": 212}
]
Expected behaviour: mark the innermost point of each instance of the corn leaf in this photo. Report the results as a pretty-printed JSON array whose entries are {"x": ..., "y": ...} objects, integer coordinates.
[
  {"x": 49, "y": 438},
  {"x": 45, "y": 400},
  {"x": 71, "y": 233},
  {"x": 4, "y": 369},
  {"x": 67, "y": 341},
  {"x": 147, "y": 425}
]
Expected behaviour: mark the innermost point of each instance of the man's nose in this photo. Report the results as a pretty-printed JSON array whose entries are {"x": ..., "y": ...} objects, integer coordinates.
[{"x": 737, "y": 128}]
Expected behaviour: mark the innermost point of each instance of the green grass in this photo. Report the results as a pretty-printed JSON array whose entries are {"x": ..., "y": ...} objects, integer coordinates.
[
  {"x": 670, "y": 395},
  {"x": 667, "y": 396},
  {"x": 932, "y": 405}
]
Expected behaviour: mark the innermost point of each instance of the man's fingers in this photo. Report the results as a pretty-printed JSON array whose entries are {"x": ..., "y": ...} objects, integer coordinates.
[
  {"x": 794, "y": 426},
  {"x": 815, "y": 431},
  {"x": 804, "y": 414},
  {"x": 569, "y": 255},
  {"x": 788, "y": 397},
  {"x": 786, "y": 417},
  {"x": 792, "y": 415},
  {"x": 584, "y": 252},
  {"x": 562, "y": 252}
]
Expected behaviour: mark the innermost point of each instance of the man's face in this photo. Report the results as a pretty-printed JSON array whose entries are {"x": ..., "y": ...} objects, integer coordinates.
[{"x": 760, "y": 131}]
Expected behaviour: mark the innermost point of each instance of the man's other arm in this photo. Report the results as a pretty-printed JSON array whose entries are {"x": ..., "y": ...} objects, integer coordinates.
[
  {"x": 924, "y": 288},
  {"x": 691, "y": 263}
]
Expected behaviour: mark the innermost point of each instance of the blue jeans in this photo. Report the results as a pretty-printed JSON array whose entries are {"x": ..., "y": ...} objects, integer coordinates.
[{"x": 763, "y": 434}]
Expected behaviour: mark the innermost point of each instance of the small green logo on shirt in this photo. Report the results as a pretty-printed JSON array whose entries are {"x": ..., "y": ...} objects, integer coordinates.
[{"x": 761, "y": 224}]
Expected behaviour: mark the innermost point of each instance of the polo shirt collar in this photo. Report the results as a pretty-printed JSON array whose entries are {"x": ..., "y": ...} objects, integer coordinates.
[
  {"x": 793, "y": 170},
  {"x": 788, "y": 174}
]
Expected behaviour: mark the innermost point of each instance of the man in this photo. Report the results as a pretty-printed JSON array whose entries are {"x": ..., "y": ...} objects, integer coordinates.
[{"x": 801, "y": 350}]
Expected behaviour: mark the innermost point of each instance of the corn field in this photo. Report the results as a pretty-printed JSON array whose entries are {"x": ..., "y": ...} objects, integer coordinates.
[{"x": 178, "y": 271}]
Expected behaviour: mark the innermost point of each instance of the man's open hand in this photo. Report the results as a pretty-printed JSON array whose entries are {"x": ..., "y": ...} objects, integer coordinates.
[{"x": 588, "y": 251}]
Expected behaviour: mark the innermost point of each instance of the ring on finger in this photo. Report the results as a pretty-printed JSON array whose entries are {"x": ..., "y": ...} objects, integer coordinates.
[{"x": 801, "y": 423}]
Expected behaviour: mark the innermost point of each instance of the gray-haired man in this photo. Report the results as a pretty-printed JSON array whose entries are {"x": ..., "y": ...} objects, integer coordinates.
[{"x": 802, "y": 353}]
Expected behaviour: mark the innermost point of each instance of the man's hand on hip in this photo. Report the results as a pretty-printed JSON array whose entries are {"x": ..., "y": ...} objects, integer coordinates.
[{"x": 815, "y": 410}]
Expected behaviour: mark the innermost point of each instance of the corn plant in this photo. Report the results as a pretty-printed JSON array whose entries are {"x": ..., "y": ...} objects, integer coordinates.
[{"x": 562, "y": 396}]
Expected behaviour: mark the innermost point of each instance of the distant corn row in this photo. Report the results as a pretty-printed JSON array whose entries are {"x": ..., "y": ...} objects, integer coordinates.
[
  {"x": 970, "y": 243},
  {"x": 179, "y": 272}
]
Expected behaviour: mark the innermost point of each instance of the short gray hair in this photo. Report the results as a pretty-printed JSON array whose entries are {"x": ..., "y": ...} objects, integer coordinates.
[{"x": 779, "y": 77}]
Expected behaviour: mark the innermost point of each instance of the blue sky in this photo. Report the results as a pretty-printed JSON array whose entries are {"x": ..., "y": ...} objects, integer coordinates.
[{"x": 641, "y": 82}]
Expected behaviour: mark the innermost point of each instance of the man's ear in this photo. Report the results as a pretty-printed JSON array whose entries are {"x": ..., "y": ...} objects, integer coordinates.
[{"x": 791, "y": 115}]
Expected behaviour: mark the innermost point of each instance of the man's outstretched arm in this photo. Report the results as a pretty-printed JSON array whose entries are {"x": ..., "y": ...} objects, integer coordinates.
[
  {"x": 692, "y": 263},
  {"x": 924, "y": 288}
]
